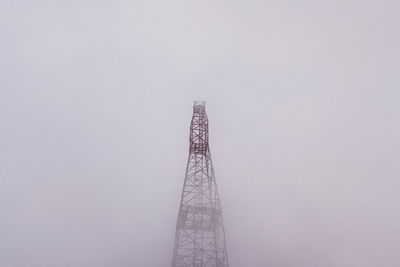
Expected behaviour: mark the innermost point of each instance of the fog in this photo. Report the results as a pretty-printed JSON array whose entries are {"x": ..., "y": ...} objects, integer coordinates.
[{"x": 95, "y": 106}]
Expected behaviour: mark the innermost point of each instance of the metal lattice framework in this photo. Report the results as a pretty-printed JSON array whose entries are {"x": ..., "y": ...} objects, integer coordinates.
[{"x": 200, "y": 235}]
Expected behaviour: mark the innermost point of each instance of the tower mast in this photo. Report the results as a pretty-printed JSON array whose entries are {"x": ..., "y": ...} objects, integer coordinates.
[{"x": 200, "y": 235}]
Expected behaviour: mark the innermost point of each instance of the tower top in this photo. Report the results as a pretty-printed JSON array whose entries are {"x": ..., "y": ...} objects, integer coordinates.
[
  {"x": 199, "y": 103},
  {"x": 199, "y": 108}
]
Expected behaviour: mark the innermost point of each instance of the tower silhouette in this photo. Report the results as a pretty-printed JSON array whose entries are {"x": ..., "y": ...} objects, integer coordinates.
[{"x": 200, "y": 235}]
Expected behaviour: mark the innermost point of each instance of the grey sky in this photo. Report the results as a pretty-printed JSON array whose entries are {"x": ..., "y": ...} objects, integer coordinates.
[{"x": 95, "y": 105}]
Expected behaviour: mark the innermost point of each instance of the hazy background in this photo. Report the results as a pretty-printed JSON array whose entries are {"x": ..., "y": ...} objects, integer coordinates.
[{"x": 95, "y": 105}]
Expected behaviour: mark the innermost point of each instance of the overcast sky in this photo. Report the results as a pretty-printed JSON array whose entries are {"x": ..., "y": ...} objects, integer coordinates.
[{"x": 95, "y": 105}]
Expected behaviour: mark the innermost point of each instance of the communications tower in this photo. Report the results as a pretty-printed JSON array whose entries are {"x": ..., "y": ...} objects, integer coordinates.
[{"x": 200, "y": 235}]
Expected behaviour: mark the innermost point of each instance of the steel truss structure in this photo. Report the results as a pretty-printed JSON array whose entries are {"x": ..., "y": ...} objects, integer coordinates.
[{"x": 200, "y": 235}]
